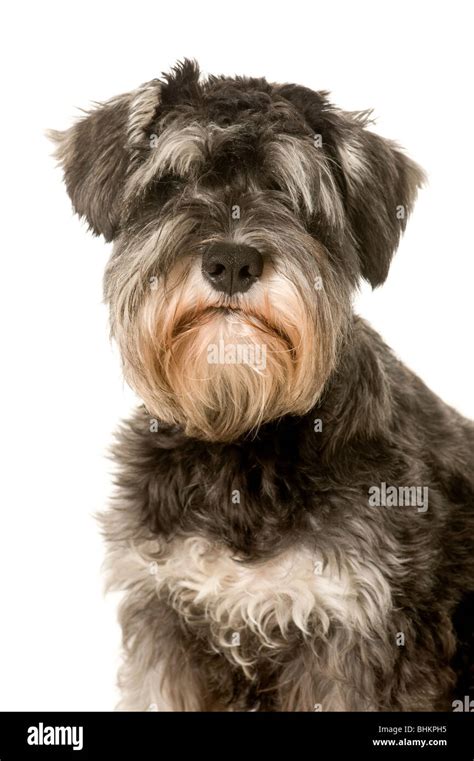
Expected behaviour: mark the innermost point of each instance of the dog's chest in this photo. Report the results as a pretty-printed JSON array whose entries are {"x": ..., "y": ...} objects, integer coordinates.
[{"x": 265, "y": 603}]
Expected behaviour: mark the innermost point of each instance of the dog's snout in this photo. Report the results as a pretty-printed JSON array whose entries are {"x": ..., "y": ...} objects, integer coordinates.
[{"x": 231, "y": 267}]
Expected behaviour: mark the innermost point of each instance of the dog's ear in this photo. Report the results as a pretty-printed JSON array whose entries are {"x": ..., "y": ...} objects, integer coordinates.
[
  {"x": 381, "y": 185},
  {"x": 100, "y": 150},
  {"x": 378, "y": 182}
]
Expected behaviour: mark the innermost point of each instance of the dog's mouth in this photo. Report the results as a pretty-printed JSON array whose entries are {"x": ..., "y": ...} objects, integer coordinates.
[{"x": 235, "y": 318}]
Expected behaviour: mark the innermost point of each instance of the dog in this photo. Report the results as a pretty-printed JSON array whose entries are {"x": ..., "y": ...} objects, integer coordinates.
[{"x": 293, "y": 523}]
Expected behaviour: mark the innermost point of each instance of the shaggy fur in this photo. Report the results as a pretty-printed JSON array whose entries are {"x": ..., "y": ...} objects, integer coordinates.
[{"x": 257, "y": 573}]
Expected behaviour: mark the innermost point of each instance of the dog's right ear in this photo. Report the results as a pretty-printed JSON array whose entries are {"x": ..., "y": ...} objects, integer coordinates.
[{"x": 100, "y": 150}]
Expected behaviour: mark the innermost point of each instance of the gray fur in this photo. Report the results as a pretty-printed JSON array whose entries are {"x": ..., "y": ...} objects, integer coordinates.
[{"x": 256, "y": 573}]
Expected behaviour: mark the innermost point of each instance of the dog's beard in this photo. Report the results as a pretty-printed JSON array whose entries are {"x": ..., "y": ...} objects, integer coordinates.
[{"x": 220, "y": 366}]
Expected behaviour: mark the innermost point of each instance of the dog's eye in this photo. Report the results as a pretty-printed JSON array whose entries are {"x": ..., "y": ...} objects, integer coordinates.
[
  {"x": 171, "y": 181},
  {"x": 169, "y": 184},
  {"x": 275, "y": 187}
]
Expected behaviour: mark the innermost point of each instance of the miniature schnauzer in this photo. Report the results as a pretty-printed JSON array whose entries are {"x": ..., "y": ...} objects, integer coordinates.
[{"x": 294, "y": 519}]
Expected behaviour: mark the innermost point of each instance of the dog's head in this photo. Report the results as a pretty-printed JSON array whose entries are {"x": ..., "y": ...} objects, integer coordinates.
[{"x": 243, "y": 214}]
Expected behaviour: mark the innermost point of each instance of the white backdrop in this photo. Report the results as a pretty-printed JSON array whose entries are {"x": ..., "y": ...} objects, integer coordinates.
[{"x": 62, "y": 393}]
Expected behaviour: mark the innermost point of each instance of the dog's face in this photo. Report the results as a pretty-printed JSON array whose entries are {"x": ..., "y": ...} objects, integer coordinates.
[{"x": 243, "y": 215}]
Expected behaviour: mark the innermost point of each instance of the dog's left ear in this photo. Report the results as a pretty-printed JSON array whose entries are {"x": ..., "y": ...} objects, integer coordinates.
[
  {"x": 381, "y": 188},
  {"x": 99, "y": 151},
  {"x": 378, "y": 182}
]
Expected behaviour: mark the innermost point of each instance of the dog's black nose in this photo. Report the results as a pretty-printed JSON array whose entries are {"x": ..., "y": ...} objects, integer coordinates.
[{"x": 231, "y": 267}]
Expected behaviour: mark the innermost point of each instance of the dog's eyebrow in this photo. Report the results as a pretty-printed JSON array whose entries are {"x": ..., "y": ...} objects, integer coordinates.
[
  {"x": 305, "y": 173},
  {"x": 180, "y": 152}
]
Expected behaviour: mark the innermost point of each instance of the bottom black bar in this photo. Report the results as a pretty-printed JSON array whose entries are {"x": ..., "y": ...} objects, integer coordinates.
[{"x": 156, "y": 735}]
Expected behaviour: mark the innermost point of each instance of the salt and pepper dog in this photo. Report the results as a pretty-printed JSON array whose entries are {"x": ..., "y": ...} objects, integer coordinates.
[{"x": 294, "y": 516}]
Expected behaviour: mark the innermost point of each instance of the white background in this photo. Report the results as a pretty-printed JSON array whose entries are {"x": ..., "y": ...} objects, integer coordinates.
[{"x": 62, "y": 392}]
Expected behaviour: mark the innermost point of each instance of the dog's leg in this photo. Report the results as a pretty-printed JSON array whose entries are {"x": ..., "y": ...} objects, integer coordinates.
[
  {"x": 165, "y": 668},
  {"x": 169, "y": 663},
  {"x": 330, "y": 676},
  {"x": 156, "y": 673},
  {"x": 354, "y": 673}
]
